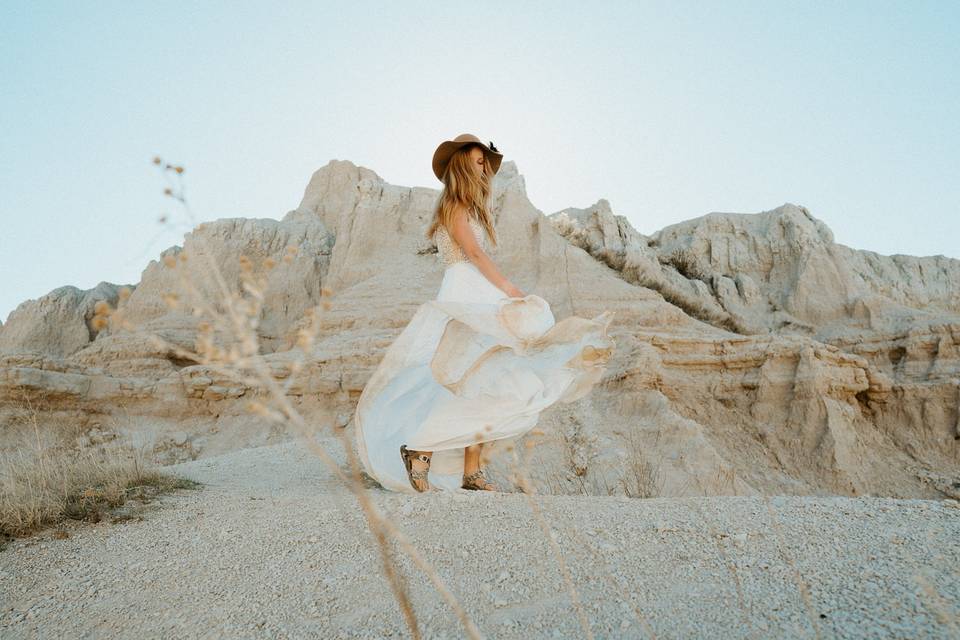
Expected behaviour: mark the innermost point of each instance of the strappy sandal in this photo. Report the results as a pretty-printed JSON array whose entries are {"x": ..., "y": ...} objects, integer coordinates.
[
  {"x": 477, "y": 481},
  {"x": 418, "y": 476}
]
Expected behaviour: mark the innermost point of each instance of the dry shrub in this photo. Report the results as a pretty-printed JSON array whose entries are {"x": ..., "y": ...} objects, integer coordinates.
[
  {"x": 640, "y": 478},
  {"x": 634, "y": 477},
  {"x": 726, "y": 480},
  {"x": 685, "y": 261},
  {"x": 45, "y": 482}
]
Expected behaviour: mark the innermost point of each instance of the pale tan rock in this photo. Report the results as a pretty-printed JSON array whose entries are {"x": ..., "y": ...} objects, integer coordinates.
[
  {"x": 754, "y": 354},
  {"x": 58, "y": 323}
]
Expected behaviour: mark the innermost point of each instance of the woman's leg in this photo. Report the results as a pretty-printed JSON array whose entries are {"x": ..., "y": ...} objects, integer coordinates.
[
  {"x": 418, "y": 465},
  {"x": 473, "y": 477},
  {"x": 471, "y": 458}
]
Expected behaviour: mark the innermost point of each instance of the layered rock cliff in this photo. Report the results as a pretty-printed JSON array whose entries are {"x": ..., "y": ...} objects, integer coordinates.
[{"x": 754, "y": 353}]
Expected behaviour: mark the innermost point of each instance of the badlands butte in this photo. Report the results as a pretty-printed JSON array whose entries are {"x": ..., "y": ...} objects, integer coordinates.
[{"x": 754, "y": 356}]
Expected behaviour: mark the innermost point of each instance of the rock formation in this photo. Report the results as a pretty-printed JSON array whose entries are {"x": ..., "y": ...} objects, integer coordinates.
[{"x": 754, "y": 353}]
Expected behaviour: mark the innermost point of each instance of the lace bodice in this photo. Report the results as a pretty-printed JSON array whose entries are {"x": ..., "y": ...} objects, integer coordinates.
[{"x": 448, "y": 249}]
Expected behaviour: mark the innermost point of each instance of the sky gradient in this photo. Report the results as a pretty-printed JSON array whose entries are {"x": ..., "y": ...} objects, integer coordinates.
[{"x": 669, "y": 110}]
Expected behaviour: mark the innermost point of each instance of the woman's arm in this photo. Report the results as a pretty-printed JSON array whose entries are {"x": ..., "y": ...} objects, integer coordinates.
[{"x": 462, "y": 234}]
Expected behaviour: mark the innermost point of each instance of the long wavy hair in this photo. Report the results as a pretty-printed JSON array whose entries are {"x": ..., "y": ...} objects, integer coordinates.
[{"x": 462, "y": 186}]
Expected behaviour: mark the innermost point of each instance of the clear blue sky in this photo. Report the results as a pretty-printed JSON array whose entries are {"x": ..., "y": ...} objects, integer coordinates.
[{"x": 670, "y": 110}]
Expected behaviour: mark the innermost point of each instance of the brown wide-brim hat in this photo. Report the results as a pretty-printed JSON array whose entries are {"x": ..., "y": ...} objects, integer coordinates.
[{"x": 447, "y": 148}]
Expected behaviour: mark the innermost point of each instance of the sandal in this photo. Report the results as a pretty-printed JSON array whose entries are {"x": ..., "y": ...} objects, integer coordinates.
[
  {"x": 477, "y": 481},
  {"x": 418, "y": 476}
]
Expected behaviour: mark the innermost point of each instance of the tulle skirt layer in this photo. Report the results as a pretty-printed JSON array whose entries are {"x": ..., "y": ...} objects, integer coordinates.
[{"x": 472, "y": 366}]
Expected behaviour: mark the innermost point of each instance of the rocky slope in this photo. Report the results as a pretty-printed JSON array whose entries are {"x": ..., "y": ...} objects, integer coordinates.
[{"x": 754, "y": 354}]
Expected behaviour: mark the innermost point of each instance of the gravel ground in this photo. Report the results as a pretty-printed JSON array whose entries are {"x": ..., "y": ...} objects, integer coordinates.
[{"x": 272, "y": 547}]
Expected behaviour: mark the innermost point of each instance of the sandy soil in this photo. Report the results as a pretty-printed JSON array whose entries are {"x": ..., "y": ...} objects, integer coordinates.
[{"x": 272, "y": 547}]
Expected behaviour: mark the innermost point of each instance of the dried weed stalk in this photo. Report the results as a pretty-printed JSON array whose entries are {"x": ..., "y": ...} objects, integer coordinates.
[{"x": 227, "y": 342}]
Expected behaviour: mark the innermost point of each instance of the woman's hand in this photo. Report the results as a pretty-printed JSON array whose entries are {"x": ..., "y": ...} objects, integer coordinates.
[{"x": 513, "y": 292}]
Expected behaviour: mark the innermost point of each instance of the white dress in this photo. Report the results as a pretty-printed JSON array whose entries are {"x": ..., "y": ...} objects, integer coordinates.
[{"x": 472, "y": 365}]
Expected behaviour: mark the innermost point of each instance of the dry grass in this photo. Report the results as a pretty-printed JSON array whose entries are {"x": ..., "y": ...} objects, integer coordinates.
[
  {"x": 726, "y": 480},
  {"x": 641, "y": 479},
  {"x": 635, "y": 477},
  {"x": 578, "y": 466},
  {"x": 45, "y": 483}
]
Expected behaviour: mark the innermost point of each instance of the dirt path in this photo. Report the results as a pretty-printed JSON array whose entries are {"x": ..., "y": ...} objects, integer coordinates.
[{"x": 273, "y": 548}]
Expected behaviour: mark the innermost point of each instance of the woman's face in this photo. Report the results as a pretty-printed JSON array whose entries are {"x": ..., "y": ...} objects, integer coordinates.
[{"x": 477, "y": 158}]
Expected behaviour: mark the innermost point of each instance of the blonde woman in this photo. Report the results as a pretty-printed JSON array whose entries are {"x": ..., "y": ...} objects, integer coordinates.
[{"x": 480, "y": 362}]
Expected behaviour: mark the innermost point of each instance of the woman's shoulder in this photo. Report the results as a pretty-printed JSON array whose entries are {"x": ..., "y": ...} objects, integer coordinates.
[
  {"x": 471, "y": 215},
  {"x": 473, "y": 219}
]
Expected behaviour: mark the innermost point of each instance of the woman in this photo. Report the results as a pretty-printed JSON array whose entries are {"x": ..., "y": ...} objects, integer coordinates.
[{"x": 478, "y": 363}]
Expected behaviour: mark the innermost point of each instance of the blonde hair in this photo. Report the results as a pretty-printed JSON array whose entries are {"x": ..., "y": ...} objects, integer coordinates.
[{"x": 462, "y": 187}]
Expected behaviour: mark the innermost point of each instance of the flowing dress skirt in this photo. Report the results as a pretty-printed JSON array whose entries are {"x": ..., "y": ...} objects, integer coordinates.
[{"x": 472, "y": 365}]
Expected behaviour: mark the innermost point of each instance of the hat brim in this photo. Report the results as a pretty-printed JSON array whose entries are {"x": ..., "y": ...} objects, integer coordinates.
[{"x": 447, "y": 148}]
